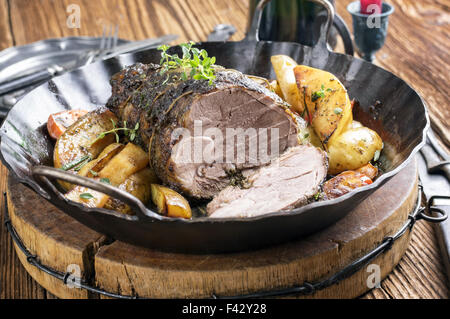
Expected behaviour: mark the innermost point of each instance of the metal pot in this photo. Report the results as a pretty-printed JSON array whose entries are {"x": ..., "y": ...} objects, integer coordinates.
[{"x": 299, "y": 21}]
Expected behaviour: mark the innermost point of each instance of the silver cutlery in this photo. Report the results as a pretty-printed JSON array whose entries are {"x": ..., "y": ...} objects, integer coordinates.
[
  {"x": 108, "y": 48},
  {"x": 107, "y": 43},
  {"x": 436, "y": 187}
]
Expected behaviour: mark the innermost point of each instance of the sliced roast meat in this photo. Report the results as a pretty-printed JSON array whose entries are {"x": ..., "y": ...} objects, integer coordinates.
[
  {"x": 288, "y": 182},
  {"x": 199, "y": 133}
]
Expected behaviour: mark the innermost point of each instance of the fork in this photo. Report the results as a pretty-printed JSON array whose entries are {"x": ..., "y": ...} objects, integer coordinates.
[
  {"x": 12, "y": 90},
  {"x": 108, "y": 43}
]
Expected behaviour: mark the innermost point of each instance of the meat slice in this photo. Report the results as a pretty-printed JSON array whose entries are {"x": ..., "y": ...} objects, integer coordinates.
[
  {"x": 198, "y": 133},
  {"x": 288, "y": 182}
]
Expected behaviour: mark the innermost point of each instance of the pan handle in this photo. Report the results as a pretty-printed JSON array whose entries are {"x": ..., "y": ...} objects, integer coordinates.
[
  {"x": 253, "y": 32},
  {"x": 54, "y": 173}
]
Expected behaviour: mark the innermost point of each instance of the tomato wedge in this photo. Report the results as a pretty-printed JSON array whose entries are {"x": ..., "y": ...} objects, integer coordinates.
[{"x": 57, "y": 123}]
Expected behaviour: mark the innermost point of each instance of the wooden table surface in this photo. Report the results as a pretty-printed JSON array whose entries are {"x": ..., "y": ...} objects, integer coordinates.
[{"x": 417, "y": 50}]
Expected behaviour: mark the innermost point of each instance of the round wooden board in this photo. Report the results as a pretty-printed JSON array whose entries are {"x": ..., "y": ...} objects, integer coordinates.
[{"x": 117, "y": 267}]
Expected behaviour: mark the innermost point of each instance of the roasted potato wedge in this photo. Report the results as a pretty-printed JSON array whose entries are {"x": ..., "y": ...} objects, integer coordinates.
[
  {"x": 95, "y": 166},
  {"x": 121, "y": 166},
  {"x": 275, "y": 87},
  {"x": 306, "y": 134},
  {"x": 326, "y": 100},
  {"x": 170, "y": 203},
  {"x": 352, "y": 149},
  {"x": 284, "y": 70},
  {"x": 87, "y": 197},
  {"x": 139, "y": 185},
  {"x": 355, "y": 124},
  {"x": 76, "y": 142},
  {"x": 128, "y": 161},
  {"x": 77, "y": 145}
]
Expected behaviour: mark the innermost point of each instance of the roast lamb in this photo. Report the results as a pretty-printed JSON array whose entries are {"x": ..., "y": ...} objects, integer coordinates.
[
  {"x": 288, "y": 182},
  {"x": 163, "y": 104},
  {"x": 175, "y": 116}
]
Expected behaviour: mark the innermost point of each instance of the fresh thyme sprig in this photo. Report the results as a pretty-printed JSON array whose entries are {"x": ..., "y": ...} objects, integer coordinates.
[
  {"x": 194, "y": 63},
  {"x": 86, "y": 196},
  {"x": 130, "y": 133},
  {"x": 318, "y": 94},
  {"x": 76, "y": 163}
]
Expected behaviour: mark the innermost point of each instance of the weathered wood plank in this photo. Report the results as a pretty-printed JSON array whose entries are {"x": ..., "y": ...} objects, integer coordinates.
[
  {"x": 58, "y": 240},
  {"x": 14, "y": 280},
  {"x": 6, "y": 38},
  {"x": 137, "y": 19}
]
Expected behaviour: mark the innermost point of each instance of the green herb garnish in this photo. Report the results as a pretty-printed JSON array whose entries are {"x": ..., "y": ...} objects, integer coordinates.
[
  {"x": 105, "y": 180},
  {"x": 86, "y": 196},
  {"x": 321, "y": 93},
  {"x": 79, "y": 167},
  {"x": 94, "y": 173},
  {"x": 317, "y": 196},
  {"x": 238, "y": 179},
  {"x": 338, "y": 111},
  {"x": 194, "y": 63},
  {"x": 376, "y": 157},
  {"x": 318, "y": 94},
  {"x": 75, "y": 163},
  {"x": 305, "y": 110},
  {"x": 130, "y": 133}
]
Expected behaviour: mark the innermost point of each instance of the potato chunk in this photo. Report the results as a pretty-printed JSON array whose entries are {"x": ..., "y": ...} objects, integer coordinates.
[
  {"x": 128, "y": 161},
  {"x": 326, "y": 100},
  {"x": 76, "y": 142},
  {"x": 170, "y": 203},
  {"x": 92, "y": 168},
  {"x": 138, "y": 185},
  {"x": 275, "y": 87},
  {"x": 284, "y": 70},
  {"x": 87, "y": 197},
  {"x": 353, "y": 149}
]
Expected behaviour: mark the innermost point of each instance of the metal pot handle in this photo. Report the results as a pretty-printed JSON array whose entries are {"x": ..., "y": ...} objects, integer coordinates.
[
  {"x": 54, "y": 173},
  {"x": 253, "y": 32},
  {"x": 343, "y": 31}
]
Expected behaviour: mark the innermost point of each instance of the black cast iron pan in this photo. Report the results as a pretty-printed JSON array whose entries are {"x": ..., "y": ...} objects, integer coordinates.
[{"x": 26, "y": 149}]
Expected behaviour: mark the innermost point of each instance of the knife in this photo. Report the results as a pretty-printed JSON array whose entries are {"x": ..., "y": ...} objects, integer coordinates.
[
  {"x": 437, "y": 188},
  {"x": 88, "y": 57},
  {"x": 434, "y": 162},
  {"x": 437, "y": 147}
]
